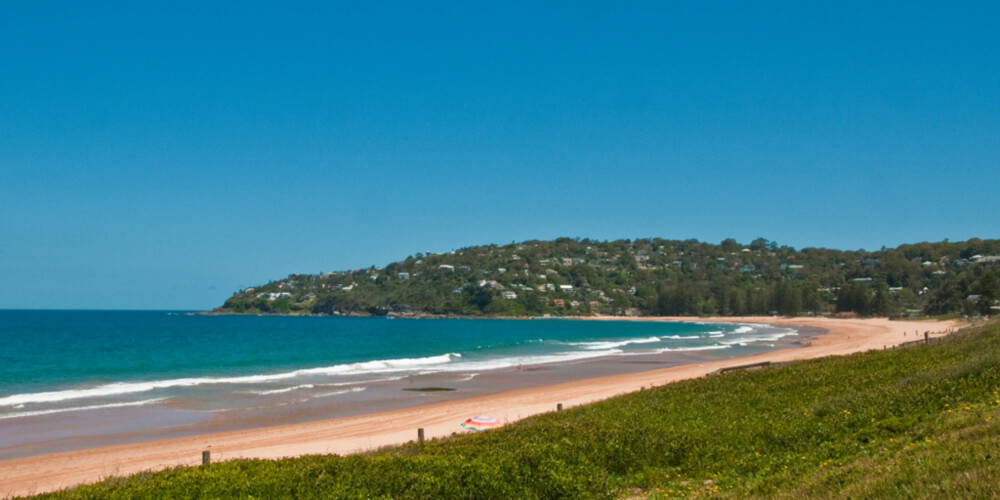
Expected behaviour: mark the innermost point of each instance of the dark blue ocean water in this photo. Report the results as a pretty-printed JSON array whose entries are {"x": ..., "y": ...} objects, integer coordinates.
[{"x": 59, "y": 361}]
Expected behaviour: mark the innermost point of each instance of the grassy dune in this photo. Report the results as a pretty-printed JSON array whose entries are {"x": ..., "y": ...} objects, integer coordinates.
[{"x": 921, "y": 422}]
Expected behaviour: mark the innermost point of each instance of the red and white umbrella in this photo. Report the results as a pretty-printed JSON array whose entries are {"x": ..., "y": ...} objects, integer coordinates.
[{"x": 481, "y": 423}]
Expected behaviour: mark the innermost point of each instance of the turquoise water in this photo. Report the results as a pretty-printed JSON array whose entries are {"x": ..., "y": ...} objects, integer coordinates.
[{"x": 62, "y": 361}]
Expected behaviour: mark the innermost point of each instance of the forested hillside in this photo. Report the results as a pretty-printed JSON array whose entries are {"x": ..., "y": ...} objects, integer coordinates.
[{"x": 650, "y": 277}]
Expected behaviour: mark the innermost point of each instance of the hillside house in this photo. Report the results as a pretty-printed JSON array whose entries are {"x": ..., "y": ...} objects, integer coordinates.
[{"x": 489, "y": 284}]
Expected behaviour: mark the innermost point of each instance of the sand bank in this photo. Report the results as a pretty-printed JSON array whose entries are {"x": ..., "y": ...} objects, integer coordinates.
[{"x": 365, "y": 432}]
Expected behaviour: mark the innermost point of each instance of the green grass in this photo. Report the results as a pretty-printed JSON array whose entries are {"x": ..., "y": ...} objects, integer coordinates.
[{"x": 920, "y": 422}]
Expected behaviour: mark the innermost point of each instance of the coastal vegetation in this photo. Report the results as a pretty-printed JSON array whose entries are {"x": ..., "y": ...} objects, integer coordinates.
[
  {"x": 574, "y": 277},
  {"x": 920, "y": 421}
]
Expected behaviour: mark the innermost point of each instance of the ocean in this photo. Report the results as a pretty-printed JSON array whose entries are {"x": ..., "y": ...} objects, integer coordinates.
[{"x": 133, "y": 370}]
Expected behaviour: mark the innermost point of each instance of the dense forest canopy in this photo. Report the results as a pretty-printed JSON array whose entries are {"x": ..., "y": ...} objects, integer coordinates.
[{"x": 573, "y": 276}]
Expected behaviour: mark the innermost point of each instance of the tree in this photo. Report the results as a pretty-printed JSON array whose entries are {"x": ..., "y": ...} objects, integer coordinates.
[
  {"x": 730, "y": 245},
  {"x": 787, "y": 301},
  {"x": 989, "y": 291},
  {"x": 481, "y": 298},
  {"x": 853, "y": 298},
  {"x": 759, "y": 244},
  {"x": 737, "y": 304},
  {"x": 880, "y": 304},
  {"x": 948, "y": 298},
  {"x": 810, "y": 298}
]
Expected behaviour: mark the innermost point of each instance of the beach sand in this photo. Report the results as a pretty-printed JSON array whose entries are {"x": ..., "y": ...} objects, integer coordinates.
[{"x": 49, "y": 472}]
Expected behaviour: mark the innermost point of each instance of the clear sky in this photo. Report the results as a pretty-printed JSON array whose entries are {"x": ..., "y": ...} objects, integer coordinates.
[{"x": 161, "y": 155}]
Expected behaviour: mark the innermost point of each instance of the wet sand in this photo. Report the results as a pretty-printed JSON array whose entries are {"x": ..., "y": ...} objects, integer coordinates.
[{"x": 361, "y": 427}]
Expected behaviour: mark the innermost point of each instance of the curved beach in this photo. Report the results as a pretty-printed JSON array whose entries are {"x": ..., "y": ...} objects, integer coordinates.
[{"x": 369, "y": 431}]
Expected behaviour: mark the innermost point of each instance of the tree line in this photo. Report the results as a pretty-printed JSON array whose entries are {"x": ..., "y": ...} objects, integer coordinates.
[{"x": 579, "y": 276}]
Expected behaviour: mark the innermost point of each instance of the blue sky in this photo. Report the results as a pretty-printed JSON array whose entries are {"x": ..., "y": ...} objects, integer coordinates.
[{"x": 163, "y": 155}]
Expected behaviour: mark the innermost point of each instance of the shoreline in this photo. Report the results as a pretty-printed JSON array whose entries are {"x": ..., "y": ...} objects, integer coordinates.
[
  {"x": 352, "y": 434},
  {"x": 175, "y": 417}
]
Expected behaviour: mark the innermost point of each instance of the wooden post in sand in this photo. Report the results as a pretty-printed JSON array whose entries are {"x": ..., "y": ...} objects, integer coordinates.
[
  {"x": 927, "y": 337},
  {"x": 420, "y": 435},
  {"x": 206, "y": 457},
  {"x": 559, "y": 407}
]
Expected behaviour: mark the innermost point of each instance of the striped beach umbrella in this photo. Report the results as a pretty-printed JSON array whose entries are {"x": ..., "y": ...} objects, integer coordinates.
[{"x": 481, "y": 423}]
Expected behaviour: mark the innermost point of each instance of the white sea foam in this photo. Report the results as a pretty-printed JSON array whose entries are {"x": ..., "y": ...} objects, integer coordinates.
[
  {"x": 80, "y": 408},
  {"x": 122, "y": 388},
  {"x": 283, "y": 390},
  {"x": 509, "y": 362},
  {"x": 338, "y": 393},
  {"x": 743, "y": 329},
  {"x": 379, "y": 366},
  {"x": 292, "y": 402},
  {"x": 763, "y": 337},
  {"x": 698, "y": 348},
  {"x": 604, "y": 345}
]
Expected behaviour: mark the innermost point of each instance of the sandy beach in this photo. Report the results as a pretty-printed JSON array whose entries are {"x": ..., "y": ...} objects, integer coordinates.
[{"x": 55, "y": 471}]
